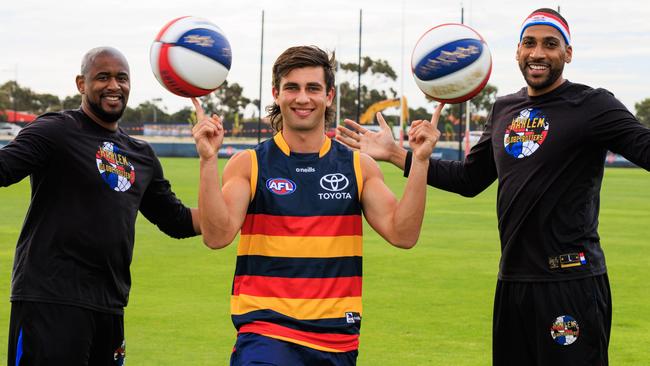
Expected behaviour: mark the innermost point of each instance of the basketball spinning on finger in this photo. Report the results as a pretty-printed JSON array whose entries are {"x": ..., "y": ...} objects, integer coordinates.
[
  {"x": 190, "y": 56},
  {"x": 451, "y": 63}
]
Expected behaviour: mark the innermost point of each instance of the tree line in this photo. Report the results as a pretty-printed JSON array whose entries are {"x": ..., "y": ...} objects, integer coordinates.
[{"x": 229, "y": 101}]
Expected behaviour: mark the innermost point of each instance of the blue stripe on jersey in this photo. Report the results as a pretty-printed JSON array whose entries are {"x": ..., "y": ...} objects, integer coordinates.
[
  {"x": 333, "y": 325},
  {"x": 257, "y": 265}
]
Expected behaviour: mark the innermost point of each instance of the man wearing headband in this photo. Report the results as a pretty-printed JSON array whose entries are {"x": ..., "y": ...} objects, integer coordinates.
[{"x": 546, "y": 145}]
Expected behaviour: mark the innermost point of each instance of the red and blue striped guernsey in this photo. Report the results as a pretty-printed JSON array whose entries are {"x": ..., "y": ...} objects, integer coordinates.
[{"x": 298, "y": 274}]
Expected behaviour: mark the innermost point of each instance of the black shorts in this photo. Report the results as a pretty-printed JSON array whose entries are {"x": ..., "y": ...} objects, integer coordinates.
[
  {"x": 53, "y": 334},
  {"x": 552, "y": 323}
]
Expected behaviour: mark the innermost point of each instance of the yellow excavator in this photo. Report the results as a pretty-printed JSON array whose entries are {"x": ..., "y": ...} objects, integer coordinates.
[{"x": 369, "y": 115}]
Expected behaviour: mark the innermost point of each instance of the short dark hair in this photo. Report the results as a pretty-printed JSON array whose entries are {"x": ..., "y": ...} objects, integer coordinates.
[
  {"x": 90, "y": 56},
  {"x": 295, "y": 58}
]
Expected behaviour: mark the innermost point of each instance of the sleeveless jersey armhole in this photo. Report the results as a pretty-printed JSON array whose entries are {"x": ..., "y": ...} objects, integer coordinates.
[
  {"x": 253, "y": 181},
  {"x": 357, "y": 172}
]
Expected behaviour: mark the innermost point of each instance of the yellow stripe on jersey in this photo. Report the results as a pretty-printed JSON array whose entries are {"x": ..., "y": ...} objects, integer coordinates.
[
  {"x": 301, "y": 247},
  {"x": 325, "y": 148},
  {"x": 253, "y": 173},
  {"x": 357, "y": 172},
  {"x": 297, "y": 308}
]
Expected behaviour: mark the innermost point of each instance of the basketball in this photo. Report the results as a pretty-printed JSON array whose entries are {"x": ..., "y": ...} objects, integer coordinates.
[
  {"x": 451, "y": 63},
  {"x": 190, "y": 56}
]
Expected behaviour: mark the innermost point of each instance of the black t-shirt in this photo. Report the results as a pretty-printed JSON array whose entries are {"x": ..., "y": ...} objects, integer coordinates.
[
  {"x": 548, "y": 153},
  {"x": 88, "y": 184}
]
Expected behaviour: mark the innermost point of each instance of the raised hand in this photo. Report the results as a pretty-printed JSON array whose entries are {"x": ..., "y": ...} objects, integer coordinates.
[
  {"x": 423, "y": 135},
  {"x": 379, "y": 145},
  {"x": 207, "y": 132}
]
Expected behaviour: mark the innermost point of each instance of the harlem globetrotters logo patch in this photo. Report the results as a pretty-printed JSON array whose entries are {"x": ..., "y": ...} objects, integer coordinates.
[
  {"x": 114, "y": 167},
  {"x": 565, "y": 330},
  {"x": 526, "y": 133}
]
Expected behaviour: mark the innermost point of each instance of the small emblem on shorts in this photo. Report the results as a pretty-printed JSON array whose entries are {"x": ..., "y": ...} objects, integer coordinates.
[
  {"x": 119, "y": 356},
  {"x": 352, "y": 317},
  {"x": 565, "y": 330}
]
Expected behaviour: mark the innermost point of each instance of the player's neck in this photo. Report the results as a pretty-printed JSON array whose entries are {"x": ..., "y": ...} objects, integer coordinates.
[
  {"x": 537, "y": 92},
  {"x": 111, "y": 126},
  {"x": 304, "y": 141}
]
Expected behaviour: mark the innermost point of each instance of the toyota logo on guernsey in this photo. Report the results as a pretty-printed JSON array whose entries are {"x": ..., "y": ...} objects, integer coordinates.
[
  {"x": 281, "y": 186},
  {"x": 334, "y": 183}
]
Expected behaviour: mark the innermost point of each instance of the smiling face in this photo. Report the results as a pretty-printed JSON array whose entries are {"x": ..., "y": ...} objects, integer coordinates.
[
  {"x": 104, "y": 86},
  {"x": 303, "y": 98},
  {"x": 541, "y": 55}
]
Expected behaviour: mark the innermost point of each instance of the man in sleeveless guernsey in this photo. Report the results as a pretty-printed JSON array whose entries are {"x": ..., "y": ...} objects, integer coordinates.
[
  {"x": 298, "y": 199},
  {"x": 546, "y": 144}
]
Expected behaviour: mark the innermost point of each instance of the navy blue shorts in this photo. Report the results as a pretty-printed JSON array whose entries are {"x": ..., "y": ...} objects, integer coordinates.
[
  {"x": 53, "y": 334},
  {"x": 255, "y": 349},
  {"x": 557, "y": 323}
]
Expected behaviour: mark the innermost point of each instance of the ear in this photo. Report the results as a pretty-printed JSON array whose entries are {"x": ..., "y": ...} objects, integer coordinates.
[
  {"x": 275, "y": 93},
  {"x": 517, "y": 51},
  {"x": 81, "y": 85},
  {"x": 330, "y": 96},
  {"x": 569, "y": 54}
]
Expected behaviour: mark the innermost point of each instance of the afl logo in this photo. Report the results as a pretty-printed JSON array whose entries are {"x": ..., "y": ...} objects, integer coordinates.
[
  {"x": 334, "y": 182},
  {"x": 280, "y": 186}
]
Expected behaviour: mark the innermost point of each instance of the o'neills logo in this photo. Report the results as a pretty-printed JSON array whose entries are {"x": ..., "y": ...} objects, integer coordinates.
[
  {"x": 114, "y": 167},
  {"x": 334, "y": 184},
  {"x": 526, "y": 133}
]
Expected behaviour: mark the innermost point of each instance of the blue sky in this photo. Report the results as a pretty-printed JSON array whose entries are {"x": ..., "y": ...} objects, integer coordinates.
[{"x": 43, "y": 41}]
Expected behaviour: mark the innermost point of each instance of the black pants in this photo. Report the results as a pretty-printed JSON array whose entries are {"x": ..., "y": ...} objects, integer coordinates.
[
  {"x": 552, "y": 323},
  {"x": 52, "y": 334}
]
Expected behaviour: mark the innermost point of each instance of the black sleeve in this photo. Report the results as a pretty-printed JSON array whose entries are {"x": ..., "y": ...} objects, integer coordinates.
[
  {"x": 161, "y": 206},
  {"x": 30, "y": 150},
  {"x": 617, "y": 130},
  {"x": 467, "y": 178}
]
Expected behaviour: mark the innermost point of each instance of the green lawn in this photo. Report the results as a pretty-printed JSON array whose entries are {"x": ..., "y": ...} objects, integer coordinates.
[{"x": 431, "y": 305}]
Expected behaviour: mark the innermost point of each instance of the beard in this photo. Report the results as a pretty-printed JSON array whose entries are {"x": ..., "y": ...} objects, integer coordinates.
[
  {"x": 104, "y": 115},
  {"x": 537, "y": 84}
]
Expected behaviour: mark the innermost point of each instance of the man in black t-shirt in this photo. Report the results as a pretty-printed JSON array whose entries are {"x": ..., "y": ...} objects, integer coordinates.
[
  {"x": 546, "y": 145},
  {"x": 71, "y": 278}
]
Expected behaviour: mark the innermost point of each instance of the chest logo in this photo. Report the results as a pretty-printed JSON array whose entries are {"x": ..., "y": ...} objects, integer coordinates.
[
  {"x": 526, "y": 133},
  {"x": 334, "y": 182},
  {"x": 114, "y": 167},
  {"x": 280, "y": 186}
]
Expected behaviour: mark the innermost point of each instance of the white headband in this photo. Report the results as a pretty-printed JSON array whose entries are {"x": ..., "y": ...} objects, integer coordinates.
[{"x": 541, "y": 18}]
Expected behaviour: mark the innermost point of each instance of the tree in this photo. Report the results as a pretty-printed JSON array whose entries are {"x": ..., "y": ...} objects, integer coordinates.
[
  {"x": 381, "y": 73},
  {"x": 72, "y": 101},
  {"x": 643, "y": 111}
]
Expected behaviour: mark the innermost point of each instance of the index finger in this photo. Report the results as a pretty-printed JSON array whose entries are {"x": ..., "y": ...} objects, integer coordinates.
[
  {"x": 436, "y": 115},
  {"x": 354, "y": 126},
  {"x": 200, "y": 114}
]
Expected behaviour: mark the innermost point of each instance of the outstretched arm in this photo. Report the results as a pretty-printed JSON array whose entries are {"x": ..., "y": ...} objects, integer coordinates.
[
  {"x": 221, "y": 209},
  {"x": 467, "y": 178},
  {"x": 399, "y": 222}
]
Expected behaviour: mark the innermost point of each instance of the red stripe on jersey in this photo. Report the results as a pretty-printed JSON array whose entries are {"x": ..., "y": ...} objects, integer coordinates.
[
  {"x": 262, "y": 224},
  {"x": 297, "y": 288},
  {"x": 341, "y": 342}
]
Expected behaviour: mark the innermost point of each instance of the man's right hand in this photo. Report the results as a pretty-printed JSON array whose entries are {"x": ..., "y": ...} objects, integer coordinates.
[
  {"x": 208, "y": 132},
  {"x": 379, "y": 145}
]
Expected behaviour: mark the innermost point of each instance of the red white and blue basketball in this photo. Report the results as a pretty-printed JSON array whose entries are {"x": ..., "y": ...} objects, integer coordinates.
[
  {"x": 190, "y": 56},
  {"x": 451, "y": 63}
]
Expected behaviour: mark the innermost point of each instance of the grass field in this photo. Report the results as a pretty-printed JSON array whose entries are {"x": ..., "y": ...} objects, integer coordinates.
[{"x": 431, "y": 305}]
